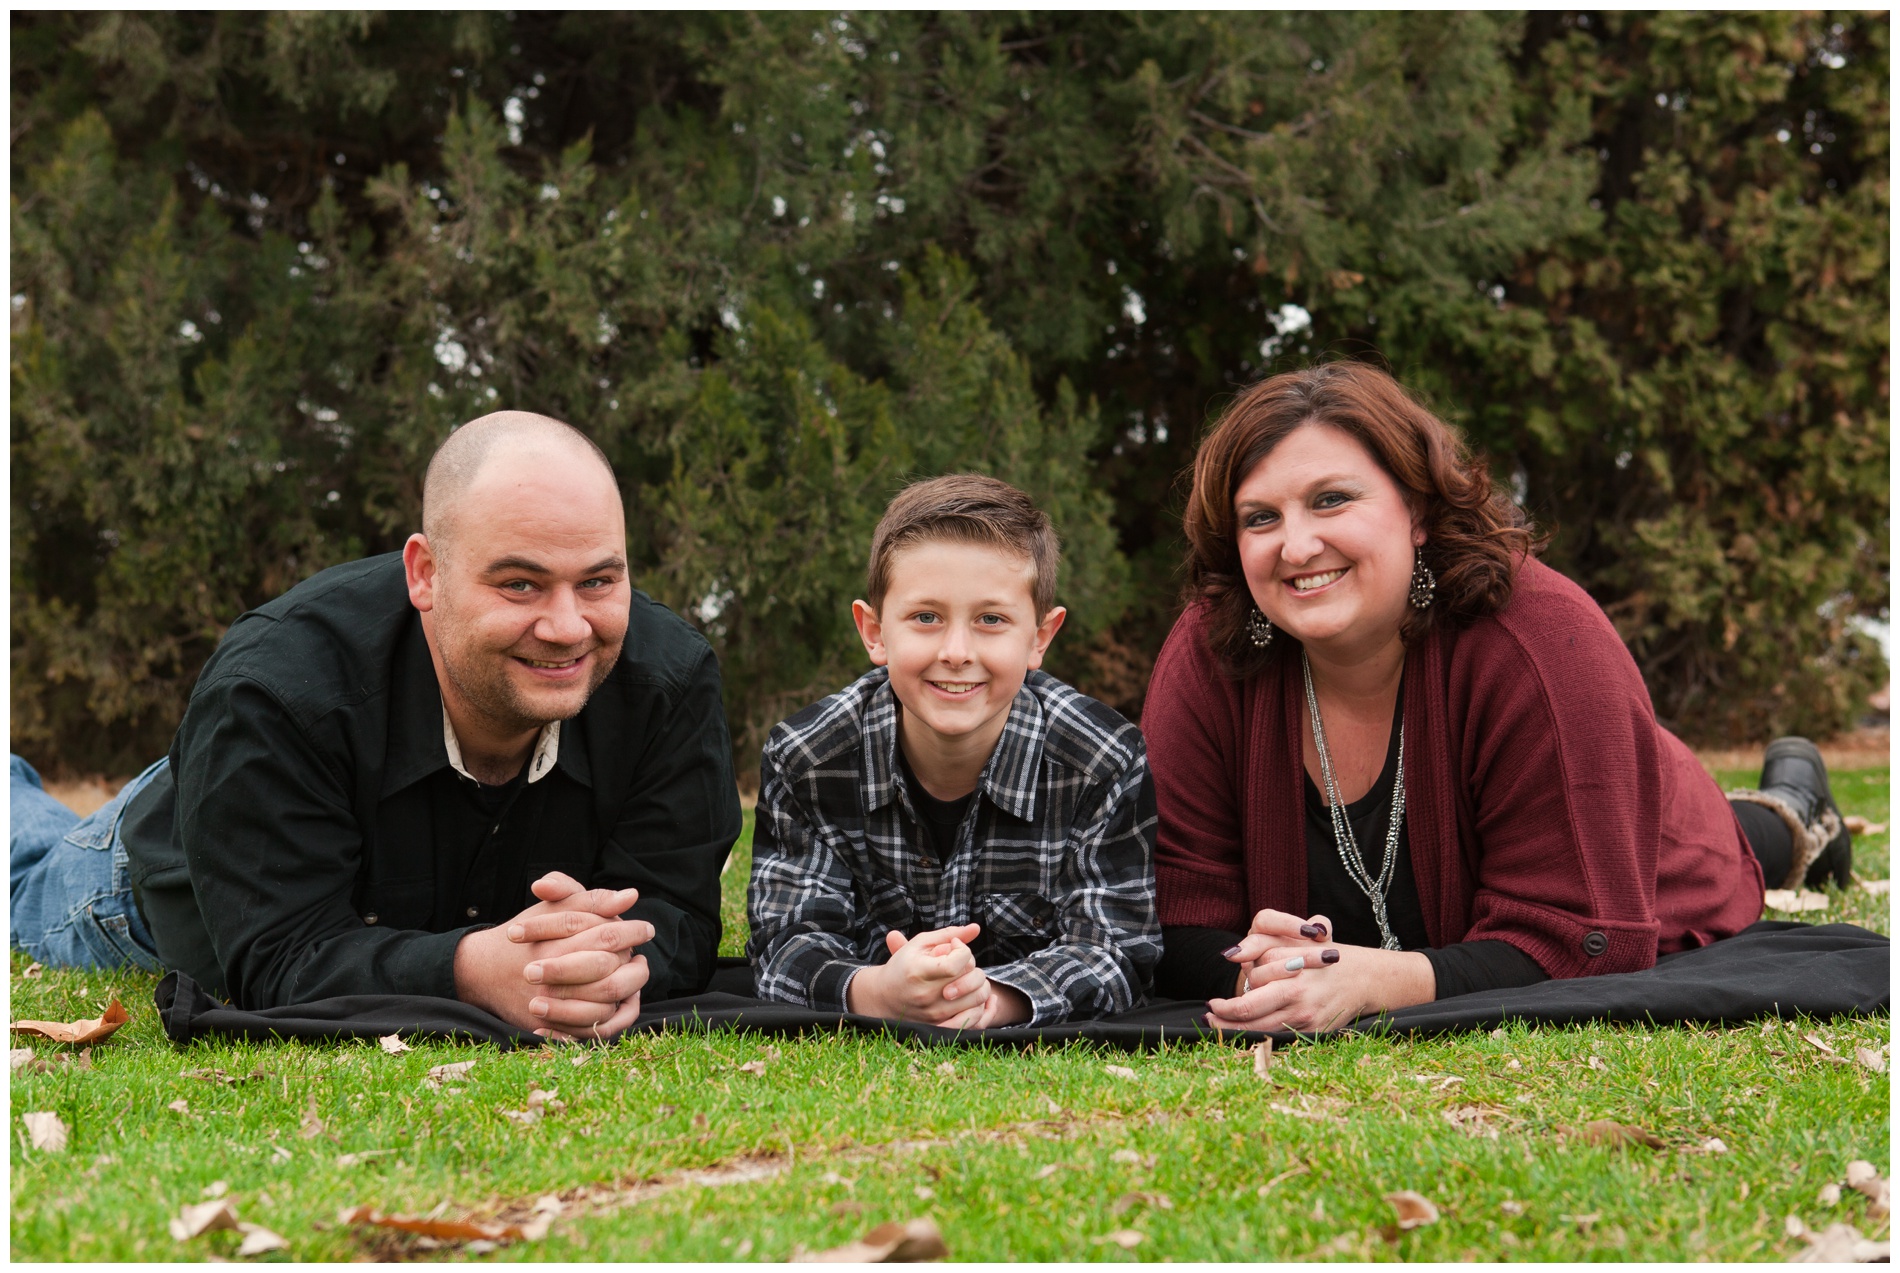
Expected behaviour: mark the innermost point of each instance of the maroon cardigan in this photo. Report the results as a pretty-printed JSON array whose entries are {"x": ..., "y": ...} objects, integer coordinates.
[{"x": 1544, "y": 805}]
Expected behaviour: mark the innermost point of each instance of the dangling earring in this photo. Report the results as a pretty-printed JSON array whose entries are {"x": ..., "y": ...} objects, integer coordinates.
[
  {"x": 1424, "y": 583},
  {"x": 1259, "y": 629}
]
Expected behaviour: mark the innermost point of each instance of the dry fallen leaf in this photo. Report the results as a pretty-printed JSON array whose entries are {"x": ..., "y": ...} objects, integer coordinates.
[
  {"x": 180, "y": 1106},
  {"x": 33, "y": 970},
  {"x": 1840, "y": 1244},
  {"x": 46, "y": 1131},
  {"x": 1126, "y": 1239},
  {"x": 448, "y": 1230},
  {"x": 1120, "y": 1071},
  {"x": 1794, "y": 901},
  {"x": 361, "y": 1156},
  {"x": 1129, "y": 1201},
  {"x": 1877, "y": 886},
  {"x": 1866, "y": 1178},
  {"x": 1512, "y": 1207},
  {"x": 26, "y": 1060},
  {"x": 1857, "y": 825},
  {"x": 203, "y": 1218},
  {"x": 216, "y": 1189},
  {"x": 894, "y": 1242},
  {"x": 1714, "y": 1145},
  {"x": 1047, "y": 1170},
  {"x": 223, "y": 1079},
  {"x": 393, "y": 1044},
  {"x": 1604, "y": 1131},
  {"x": 1816, "y": 1041},
  {"x": 312, "y": 1125},
  {"x": 1262, "y": 1058},
  {"x": 753, "y": 1067},
  {"x": 258, "y": 1239},
  {"x": 1871, "y": 1059},
  {"x": 1414, "y": 1209},
  {"x": 1830, "y": 1195},
  {"x": 1472, "y": 1120},
  {"x": 454, "y": 1072},
  {"x": 96, "y": 1030}
]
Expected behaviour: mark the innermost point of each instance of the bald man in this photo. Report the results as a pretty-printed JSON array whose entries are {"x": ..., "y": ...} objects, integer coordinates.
[{"x": 485, "y": 768}]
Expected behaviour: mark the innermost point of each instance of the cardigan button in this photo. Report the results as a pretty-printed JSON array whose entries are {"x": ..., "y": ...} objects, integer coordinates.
[
  {"x": 1595, "y": 944},
  {"x": 370, "y": 918}
]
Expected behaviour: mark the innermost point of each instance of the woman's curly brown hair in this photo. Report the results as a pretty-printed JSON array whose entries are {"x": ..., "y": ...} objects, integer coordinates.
[{"x": 1475, "y": 536}]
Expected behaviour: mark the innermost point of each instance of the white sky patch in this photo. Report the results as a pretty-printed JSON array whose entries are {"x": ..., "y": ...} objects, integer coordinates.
[
  {"x": 450, "y": 353},
  {"x": 1134, "y": 309},
  {"x": 1288, "y": 321}
]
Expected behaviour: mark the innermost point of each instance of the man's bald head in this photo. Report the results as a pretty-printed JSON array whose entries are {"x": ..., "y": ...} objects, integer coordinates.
[{"x": 519, "y": 437}]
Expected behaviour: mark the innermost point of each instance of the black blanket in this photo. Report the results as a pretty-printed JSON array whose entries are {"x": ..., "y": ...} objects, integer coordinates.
[{"x": 1772, "y": 969}]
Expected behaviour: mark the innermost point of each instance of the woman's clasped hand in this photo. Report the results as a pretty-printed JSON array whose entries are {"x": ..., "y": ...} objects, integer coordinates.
[{"x": 1291, "y": 977}]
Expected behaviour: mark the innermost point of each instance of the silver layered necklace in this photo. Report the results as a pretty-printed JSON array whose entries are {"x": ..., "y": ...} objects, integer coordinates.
[{"x": 1343, "y": 838}]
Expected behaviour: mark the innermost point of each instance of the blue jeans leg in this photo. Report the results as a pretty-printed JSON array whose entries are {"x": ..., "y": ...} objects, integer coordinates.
[{"x": 71, "y": 885}]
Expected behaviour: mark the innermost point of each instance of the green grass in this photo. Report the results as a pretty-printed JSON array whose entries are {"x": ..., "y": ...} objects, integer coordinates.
[{"x": 1037, "y": 1156}]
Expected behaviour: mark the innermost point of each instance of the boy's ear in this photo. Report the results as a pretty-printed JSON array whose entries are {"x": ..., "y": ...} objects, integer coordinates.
[
  {"x": 1045, "y": 633},
  {"x": 870, "y": 631}
]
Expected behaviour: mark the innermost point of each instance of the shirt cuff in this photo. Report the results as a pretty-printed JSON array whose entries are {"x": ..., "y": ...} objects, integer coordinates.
[
  {"x": 424, "y": 964},
  {"x": 829, "y": 984},
  {"x": 1466, "y": 967},
  {"x": 1047, "y": 1005}
]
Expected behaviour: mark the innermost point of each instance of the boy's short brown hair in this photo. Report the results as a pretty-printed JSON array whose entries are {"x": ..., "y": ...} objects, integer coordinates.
[{"x": 966, "y": 508}]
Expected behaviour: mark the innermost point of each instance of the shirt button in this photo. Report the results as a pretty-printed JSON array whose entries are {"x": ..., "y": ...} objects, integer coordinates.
[
  {"x": 1595, "y": 944},
  {"x": 473, "y": 911},
  {"x": 370, "y": 918},
  {"x": 496, "y": 830}
]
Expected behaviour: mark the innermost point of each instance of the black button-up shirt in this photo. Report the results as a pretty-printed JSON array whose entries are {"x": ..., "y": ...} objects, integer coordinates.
[{"x": 311, "y": 839}]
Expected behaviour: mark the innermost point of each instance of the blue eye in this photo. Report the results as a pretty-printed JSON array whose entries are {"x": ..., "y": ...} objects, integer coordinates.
[
  {"x": 1263, "y": 518},
  {"x": 926, "y": 617},
  {"x": 992, "y": 620},
  {"x": 1331, "y": 499},
  {"x": 520, "y": 587}
]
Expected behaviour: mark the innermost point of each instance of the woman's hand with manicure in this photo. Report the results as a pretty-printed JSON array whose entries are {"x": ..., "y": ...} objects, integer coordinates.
[{"x": 1310, "y": 988}]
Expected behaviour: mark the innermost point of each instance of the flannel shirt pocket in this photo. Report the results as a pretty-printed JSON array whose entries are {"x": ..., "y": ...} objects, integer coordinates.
[
  {"x": 1027, "y": 919},
  {"x": 891, "y": 905}
]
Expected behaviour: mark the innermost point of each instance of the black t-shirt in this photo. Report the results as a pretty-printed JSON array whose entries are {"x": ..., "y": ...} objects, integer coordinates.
[
  {"x": 939, "y": 819},
  {"x": 1192, "y": 966}
]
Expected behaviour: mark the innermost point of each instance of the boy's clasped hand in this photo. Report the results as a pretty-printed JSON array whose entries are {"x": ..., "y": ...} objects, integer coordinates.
[{"x": 933, "y": 978}]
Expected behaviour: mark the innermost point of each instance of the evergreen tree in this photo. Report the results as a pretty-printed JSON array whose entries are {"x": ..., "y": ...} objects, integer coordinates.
[{"x": 778, "y": 264}]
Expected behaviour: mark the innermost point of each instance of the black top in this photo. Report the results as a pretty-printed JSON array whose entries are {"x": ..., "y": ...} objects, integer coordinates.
[
  {"x": 310, "y": 838},
  {"x": 939, "y": 819},
  {"x": 1192, "y": 966}
]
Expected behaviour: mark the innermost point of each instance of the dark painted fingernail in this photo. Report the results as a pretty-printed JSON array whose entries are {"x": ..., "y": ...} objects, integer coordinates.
[
  {"x": 1230, "y": 952},
  {"x": 1329, "y": 956},
  {"x": 1312, "y": 932}
]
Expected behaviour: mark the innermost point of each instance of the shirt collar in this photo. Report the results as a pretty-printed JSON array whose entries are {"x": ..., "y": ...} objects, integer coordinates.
[
  {"x": 1009, "y": 777},
  {"x": 547, "y": 750}
]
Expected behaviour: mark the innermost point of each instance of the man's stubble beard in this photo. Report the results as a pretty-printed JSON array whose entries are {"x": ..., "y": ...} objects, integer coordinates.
[{"x": 484, "y": 684}]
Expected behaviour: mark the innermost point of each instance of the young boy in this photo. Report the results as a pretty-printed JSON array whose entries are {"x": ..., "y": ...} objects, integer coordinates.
[{"x": 956, "y": 837}]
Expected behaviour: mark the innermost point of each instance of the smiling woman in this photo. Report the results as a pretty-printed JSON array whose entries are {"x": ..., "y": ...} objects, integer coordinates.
[{"x": 1397, "y": 758}]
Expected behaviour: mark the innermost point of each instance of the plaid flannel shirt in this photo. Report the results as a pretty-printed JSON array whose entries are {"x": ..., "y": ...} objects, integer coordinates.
[{"x": 1055, "y": 858}]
